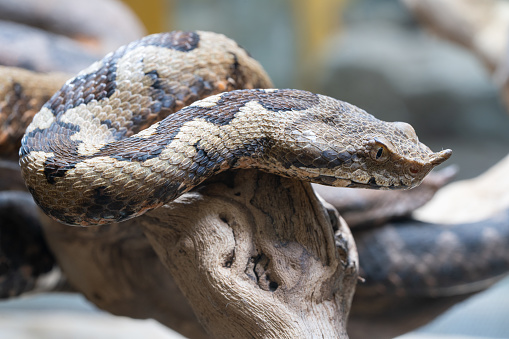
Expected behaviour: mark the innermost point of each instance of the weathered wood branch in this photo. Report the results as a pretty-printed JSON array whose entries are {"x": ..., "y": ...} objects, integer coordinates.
[
  {"x": 470, "y": 200},
  {"x": 115, "y": 267},
  {"x": 480, "y": 26},
  {"x": 253, "y": 253}
]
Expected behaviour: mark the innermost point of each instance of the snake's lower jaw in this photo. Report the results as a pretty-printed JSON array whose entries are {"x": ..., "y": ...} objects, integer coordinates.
[{"x": 372, "y": 184}]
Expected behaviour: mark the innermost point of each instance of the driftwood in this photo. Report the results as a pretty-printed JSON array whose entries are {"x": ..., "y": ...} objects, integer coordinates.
[
  {"x": 480, "y": 26},
  {"x": 470, "y": 200},
  {"x": 254, "y": 254},
  {"x": 115, "y": 267}
]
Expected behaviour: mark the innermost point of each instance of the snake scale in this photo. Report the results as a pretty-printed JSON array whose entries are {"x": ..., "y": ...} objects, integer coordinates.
[{"x": 127, "y": 134}]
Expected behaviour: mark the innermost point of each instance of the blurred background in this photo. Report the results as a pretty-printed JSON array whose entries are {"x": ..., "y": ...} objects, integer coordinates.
[{"x": 371, "y": 53}]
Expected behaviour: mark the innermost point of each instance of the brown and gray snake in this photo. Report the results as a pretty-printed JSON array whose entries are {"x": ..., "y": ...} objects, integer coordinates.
[{"x": 98, "y": 151}]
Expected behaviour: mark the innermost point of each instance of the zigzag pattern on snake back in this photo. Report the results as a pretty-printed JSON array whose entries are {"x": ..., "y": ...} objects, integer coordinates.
[{"x": 98, "y": 151}]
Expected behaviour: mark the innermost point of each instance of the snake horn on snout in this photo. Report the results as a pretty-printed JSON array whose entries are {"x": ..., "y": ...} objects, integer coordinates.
[{"x": 440, "y": 157}]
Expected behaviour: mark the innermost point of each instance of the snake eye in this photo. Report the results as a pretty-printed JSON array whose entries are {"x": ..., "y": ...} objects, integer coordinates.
[{"x": 379, "y": 152}]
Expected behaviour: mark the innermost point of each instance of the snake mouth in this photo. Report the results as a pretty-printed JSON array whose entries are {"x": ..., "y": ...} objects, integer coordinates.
[{"x": 371, "y": 184}]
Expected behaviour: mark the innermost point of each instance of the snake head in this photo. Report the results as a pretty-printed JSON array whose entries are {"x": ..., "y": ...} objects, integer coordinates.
[
  {"x": 395, "y": 160},
  {"x": 339, "y": 144}
]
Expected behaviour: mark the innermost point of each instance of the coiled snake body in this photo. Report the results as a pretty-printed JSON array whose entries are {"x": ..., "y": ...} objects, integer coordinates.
[{"x": 117, "y": 141}]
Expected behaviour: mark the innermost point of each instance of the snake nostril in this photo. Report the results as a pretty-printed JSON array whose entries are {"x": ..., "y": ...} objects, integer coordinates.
[{"x": 413, "y": 170}]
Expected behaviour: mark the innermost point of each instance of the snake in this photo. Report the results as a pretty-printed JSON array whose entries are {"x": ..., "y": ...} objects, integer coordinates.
[
  {"x": 132, "y": 132},
  {"x": 432, "y": 256},
  {"x": 22, "y": 94}
]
